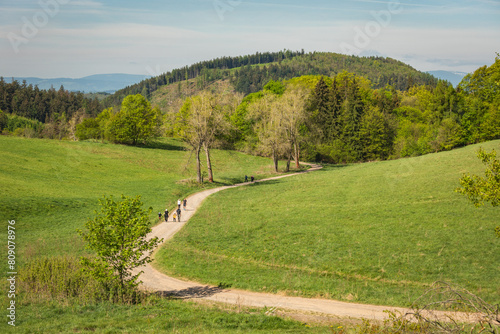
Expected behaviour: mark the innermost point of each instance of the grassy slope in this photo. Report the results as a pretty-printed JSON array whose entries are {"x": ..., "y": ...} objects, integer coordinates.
[
  {"x": 375, "y": 233},
  {"x": 52, "y": 187}
]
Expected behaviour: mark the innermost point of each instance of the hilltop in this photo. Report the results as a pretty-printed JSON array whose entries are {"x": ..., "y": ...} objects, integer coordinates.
[{"x": 248, "y": 74}]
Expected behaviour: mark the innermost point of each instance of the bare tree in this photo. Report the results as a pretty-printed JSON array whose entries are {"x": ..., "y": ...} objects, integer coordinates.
[
  {"x": 188, "y": 126},
  {"x": 201, "y": 121},
  {"x": 278, "y": 120},
  {"x": 292, "y": 105},
  {"x": 268, "y": 115},
  {"x": 446, "y": 309}
]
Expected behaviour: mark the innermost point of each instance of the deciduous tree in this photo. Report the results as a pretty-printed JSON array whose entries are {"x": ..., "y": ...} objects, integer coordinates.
[
  {"x": 118, "y": 236},
  {"x": 136, "y": 122},
  {"x": 483, "y": 189},
  {"x": 202, "y": 120}
]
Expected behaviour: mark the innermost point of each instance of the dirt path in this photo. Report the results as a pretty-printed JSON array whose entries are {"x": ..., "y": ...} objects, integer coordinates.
[{"x": 157, "y": 281}]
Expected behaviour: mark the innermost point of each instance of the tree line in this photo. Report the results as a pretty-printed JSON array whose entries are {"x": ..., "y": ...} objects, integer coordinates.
[
  {"x": 341, "y": 118},
  {"x": 43, "y": 113}
]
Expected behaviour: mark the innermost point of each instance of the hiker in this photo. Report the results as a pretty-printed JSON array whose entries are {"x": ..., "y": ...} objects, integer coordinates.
[
  {"x": 246, "y": 178},
  {"x": 252, "y": 178},
  {"x": 184, "y": 203},
  {"x": 174, "y": 216},
  {"x": 179, "y": 203},
  {"x": 159, "y": 217},
  {"x": 179, "y": 214},
  {"x": 166, "y": 215}
]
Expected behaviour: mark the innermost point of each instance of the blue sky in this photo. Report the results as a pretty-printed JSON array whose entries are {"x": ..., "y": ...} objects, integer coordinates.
[{"x": 76, "y": 38}]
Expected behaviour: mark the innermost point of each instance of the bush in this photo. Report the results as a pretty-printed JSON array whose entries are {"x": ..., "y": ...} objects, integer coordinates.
[{"x": 88, "y": 129}]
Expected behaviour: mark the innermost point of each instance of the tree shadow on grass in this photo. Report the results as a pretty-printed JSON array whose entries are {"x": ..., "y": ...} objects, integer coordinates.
[
  {"x": 158, "y": 145},
  {"x": 189, "y": 293},
  {"x": 330, "y": 167}
]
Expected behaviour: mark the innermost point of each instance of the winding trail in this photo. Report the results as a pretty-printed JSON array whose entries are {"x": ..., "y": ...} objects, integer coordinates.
[{"x": 154, "y": 280}]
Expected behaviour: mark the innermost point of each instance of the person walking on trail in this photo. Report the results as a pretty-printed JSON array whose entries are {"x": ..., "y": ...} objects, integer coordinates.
[
  {"x": 184, "y": 203},
  {"x": 159, "y": 217},
  {"x": 246, "y": 178},
  {"x": 166, "y": 215},
  {"x": 174, "y": 216},
  {"x": 179, "y": 215},
  {"x": 179, "y": 203},
  {"x": 252, "y": 178}
]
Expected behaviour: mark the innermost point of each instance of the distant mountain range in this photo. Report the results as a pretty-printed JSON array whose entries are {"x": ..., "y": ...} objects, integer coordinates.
[
  {"x": 108, "y": 83},
  {"x": 453, "y": 77}
]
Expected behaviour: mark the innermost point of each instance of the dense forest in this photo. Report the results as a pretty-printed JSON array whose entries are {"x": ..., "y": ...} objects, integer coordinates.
[
  {"x": 344, "y": 118},
  {"x": 249, "y": 74},
  {"x": 29, "y": 108}
]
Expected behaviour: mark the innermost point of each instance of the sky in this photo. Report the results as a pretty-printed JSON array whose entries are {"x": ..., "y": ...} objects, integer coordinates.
[{"x": 78, "y": 38}]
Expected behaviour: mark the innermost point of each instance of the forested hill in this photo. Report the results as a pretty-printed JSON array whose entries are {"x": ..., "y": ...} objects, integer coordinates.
[{"x": 248, "y": 74}]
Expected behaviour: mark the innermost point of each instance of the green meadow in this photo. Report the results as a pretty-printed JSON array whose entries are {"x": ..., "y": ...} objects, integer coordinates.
[
  {"x": 158, "y": 316},
  {"x": 50, "y": 188},
  {"x": 378, "y": 232}
]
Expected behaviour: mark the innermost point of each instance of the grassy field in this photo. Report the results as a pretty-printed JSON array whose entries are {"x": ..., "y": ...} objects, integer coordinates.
[
  {"x": 378, "y": 233},
  {"x": 52, "y": 187},
  {"x": 161, "y": 316}
]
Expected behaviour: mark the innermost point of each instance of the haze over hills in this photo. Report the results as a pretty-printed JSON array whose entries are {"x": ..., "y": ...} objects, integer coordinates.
[
  {"x": 111, "y": 83},
  {"x": 453, "y": 77},
  {"x": 108, "y": 83}
]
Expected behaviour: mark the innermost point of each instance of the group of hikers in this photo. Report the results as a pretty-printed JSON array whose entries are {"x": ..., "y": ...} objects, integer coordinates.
[
  {"x": 177, "y": 213},
  {"x": 176, "y": 217},
  {"x": 251, "y": 178}
]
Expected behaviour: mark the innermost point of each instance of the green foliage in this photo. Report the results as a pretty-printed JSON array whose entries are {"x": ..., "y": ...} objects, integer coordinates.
[
  {"x": 136, "y": 122},
  {"x": 483, "y": 83},
  {"x": 275, "y": 87},
  {"x": 44, "y": 105},
  {"x": 483, "y": 189},
  {"x": 88, "y": 129},
  {"x": 117, "y": 234},
  {"x": 377, "y": 135},
  {"x": 244, "y": 136},
  {"x": 22, "y": 126},
  {"x": 4, "y": 120}
]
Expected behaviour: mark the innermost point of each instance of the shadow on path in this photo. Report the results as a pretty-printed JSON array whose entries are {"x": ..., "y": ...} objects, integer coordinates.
[{"x": 189, "y": 293}]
